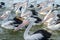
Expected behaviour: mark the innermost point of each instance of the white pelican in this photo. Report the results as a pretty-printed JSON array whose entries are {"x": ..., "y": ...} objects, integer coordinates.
[
  {"x": 54, "y": 24},
  {"x": 5, "y": 22},
  {"x": 9, "y": 22},
  {"x": 38, "y": 35},
  {"x": 45, "y": 7},
  {"x": 51, "y": 18},
  {"x": 30, "y": 15}
]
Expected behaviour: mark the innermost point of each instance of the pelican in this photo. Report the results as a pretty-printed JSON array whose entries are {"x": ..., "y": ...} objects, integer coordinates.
[
  {"x": 8, "y": 23},
  {"x": 54, "y": 24},
  {"x": 51, "y": 18},
  {"x": 38, "y": 35},
  {"x": 5, "y": 22},
  {"x": 45, "y": 7}
]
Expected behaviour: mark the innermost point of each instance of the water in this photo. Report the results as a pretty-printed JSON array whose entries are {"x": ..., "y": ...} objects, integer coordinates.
[{"x": 11, "y": 35}]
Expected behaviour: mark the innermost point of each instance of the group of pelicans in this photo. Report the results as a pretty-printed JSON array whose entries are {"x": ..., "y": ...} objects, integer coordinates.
[{"x": 29, "y": 15}]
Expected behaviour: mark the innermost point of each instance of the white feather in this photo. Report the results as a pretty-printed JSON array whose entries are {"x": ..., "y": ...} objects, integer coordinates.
[
  {"x": 7, "y": 25},
  {"x": 34, "y": 37},
  {"x": 53, "y": 26}
]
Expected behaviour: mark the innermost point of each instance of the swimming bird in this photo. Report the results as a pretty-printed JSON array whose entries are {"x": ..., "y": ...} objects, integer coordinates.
[
  {"x": 38, "y": 35},
  {"x": 53, "y": 20},
  {"x": 5, "y": 22},
  {"x": 54, "y": 24}
]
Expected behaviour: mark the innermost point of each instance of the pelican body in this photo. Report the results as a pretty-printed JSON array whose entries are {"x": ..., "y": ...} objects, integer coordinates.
[{"x": 38, "y": 35}]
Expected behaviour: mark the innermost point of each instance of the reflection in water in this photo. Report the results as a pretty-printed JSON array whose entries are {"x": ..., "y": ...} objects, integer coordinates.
[{"x": 10, "y": 35}]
